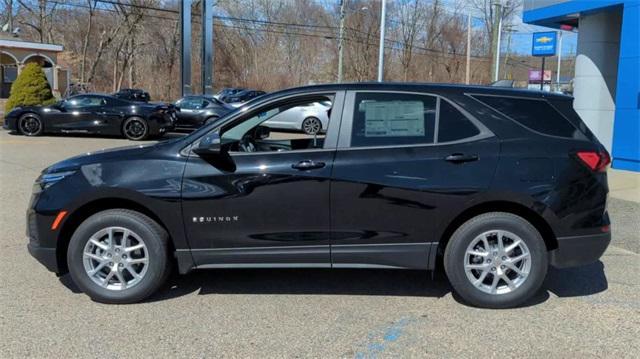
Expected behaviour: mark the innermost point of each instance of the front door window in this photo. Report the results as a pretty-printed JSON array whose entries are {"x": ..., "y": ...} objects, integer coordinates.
[{"x": 300, "y": 125}]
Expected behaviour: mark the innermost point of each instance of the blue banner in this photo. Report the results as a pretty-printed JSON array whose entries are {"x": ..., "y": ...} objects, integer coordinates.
[{"x": 544, "y": 43}]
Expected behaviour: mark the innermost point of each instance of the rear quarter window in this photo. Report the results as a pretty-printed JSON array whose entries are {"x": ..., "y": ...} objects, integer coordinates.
[
  {"x": 535, "y": 114},
  {"x": 453, "y": 125}
]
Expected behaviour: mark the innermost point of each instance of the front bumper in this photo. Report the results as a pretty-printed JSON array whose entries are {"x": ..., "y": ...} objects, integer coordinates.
[
  {"x": 579, "y": 250},
  {"x": 46, "y": 256},
  {"x": 9, "y": 123},
  {"x": 42, "y": 240}
]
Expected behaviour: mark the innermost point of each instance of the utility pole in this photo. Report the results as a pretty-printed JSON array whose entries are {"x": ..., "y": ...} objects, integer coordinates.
[
  {"x": 509, "y": 30},
  {"x": 341, "y": 39},
  {"x": 495, "y": 38},
  {"x": 185, "y": 47},
  {"x": 383, "y": 14},
  {"x": 206, "y": 49},
  {"x": 559, "y": 59},
  {"x": 466, "y": 76}
]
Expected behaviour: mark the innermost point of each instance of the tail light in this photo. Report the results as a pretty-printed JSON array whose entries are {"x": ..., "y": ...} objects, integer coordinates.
[{"x": 596, "y": 161}]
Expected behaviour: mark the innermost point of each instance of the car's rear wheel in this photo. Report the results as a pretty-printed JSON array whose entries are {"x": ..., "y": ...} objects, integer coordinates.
[
  {"x": 311, "y": 126},
  {"x": 30, "y": 124},
  {"x": 135, "y": 128},
  {"x": 496, "y": 260},
  {"x": 119, "y": 256},
  {"x": 211, "y": 120}
]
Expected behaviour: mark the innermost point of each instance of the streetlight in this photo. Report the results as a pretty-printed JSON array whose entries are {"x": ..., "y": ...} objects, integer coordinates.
[{"x": 343, "y": 6}]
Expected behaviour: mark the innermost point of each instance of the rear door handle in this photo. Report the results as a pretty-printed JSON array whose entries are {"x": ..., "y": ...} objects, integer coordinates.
[
  {"x": 307, "y": 165},
  {"x": 460, "y": 158}
]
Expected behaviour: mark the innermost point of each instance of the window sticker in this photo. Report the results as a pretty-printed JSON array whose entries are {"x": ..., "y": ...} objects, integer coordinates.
[{"x": 393, "y": 118}]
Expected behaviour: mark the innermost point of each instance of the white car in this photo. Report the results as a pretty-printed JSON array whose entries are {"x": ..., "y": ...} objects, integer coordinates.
[{"x": 311, "y": 119}]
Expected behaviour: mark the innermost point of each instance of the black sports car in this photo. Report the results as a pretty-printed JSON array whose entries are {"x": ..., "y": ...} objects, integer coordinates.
[
  {"x": 196, "y": 110},
  {"x": 95, "y": 114}
]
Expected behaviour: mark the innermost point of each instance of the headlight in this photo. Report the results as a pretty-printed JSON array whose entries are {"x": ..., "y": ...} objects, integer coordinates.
[{"x": 47, "y": 180}]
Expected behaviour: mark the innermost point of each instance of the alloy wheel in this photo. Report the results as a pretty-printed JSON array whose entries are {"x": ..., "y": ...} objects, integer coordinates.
[
  {"x": 135, "y": 129},
  {"x": 115, "y": 258},
  {"x": 30, "y": 125},
  {"x": 497, "y": 262},
  {"x": 311, "y": 126}
]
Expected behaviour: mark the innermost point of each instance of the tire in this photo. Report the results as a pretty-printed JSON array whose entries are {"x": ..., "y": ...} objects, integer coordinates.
[
  {"x": 30, "y": 124},
  {"x": 116, "y": 264},
  {"x": 135, "y": 128},
  {"x": 483, "y": 267},
  {"x": 311, "y": 126}
]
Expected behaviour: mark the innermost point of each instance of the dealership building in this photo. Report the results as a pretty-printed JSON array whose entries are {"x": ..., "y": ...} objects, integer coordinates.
[{"x": 607, "y": 72}]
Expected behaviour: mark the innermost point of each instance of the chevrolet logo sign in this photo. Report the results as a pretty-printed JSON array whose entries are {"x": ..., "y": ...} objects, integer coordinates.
[{"x": 544, "y": 39}]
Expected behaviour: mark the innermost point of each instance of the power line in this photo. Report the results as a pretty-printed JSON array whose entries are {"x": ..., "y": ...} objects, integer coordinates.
[{"x": 326, "y": 33}]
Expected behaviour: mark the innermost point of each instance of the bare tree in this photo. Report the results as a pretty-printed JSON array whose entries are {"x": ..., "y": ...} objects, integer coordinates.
[
  {"x": 487, "y": 11},
  {"x": 411, "y": 18},
  {"x": 40, "y": 19}
]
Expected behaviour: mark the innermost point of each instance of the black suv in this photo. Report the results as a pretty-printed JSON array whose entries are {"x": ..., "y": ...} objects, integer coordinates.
[
  {"x": 491, "y": 184},
  {"x": 133, "y": 95}
]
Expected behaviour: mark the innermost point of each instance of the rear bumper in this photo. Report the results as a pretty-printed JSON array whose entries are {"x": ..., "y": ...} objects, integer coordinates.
[
  {"x": 579, "y": 250},
  {"x": 46, "y": 256}
]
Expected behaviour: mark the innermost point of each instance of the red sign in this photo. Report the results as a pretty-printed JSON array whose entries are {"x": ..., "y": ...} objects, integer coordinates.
[{"x": 534, "y": 75}]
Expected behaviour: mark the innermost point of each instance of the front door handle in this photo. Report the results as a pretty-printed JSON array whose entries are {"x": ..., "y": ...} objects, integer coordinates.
[
  {"x": 461, "y": 158},
  {"x": 307, "y": 165}
]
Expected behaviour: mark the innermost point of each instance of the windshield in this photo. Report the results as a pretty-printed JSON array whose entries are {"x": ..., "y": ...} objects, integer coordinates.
[
  {"x": 209, "y": 126},
  {"x": 236, "y": 133}
]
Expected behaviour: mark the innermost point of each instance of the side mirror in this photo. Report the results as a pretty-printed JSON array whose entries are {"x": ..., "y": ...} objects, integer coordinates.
[{"x": 209, "y": 145}]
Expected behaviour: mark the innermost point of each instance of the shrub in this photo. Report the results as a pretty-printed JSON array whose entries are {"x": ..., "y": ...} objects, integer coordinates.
[{"x": 30, "y": 88}]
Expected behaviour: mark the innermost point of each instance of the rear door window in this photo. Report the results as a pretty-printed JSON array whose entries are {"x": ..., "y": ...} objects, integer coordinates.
[
  {"x": 383, "y": 119},
  {"x": 535, "y": 114}
]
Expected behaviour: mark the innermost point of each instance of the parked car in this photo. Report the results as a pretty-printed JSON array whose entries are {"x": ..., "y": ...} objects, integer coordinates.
[
  {"x": 494, "y": 184},
  {"x": 311, "y": 119},
  {"x": 95, "y": 114},
  {"x": 227, "y": 92},
  {"x": 133, "y": 95},
  {"x": 238, "y": 99},
  {"x": 195, "y": 111},
  {"x": 503, "y": 83}
]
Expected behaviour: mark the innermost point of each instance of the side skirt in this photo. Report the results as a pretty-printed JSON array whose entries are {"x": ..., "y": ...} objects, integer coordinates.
[
  {"x": 385, "y": 256},
  {"x": 388, "y": 255}
]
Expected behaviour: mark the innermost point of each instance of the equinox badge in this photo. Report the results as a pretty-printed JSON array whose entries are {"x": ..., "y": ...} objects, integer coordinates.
[{"x": 218, "y": 219}]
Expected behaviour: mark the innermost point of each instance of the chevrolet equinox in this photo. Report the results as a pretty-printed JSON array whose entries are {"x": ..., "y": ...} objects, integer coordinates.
[{"x": 492, "y": 185}]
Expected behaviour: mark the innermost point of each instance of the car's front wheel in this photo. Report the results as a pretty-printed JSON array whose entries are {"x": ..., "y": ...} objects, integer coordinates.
[
  {"x": 496, "y": 260},
  {"x": 119, "y": 256},
  {"x": 30, "y": 124}
]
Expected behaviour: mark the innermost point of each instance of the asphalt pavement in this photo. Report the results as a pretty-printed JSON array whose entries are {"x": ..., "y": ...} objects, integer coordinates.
[{"x": 591, "y": 311}]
